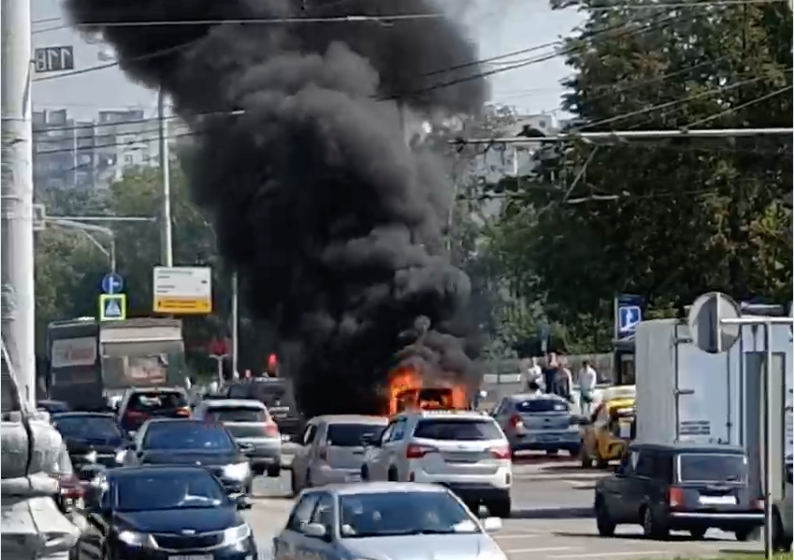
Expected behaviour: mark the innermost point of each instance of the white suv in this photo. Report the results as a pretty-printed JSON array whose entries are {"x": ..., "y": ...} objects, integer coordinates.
[{"x": 465, "y": 451}]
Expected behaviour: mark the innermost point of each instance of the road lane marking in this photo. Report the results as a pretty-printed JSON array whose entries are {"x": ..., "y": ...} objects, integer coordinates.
[
  {"x": 518, "y": 536},
  {"x": 637, "y": 553},
  {"x": 545, "y": 549}
]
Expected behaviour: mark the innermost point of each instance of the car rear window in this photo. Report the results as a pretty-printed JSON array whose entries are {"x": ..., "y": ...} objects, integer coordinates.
[
  {"x": 239, "y": 414},
  {"x": 457, "y": 429},
  {"x": 532, "y": 406},
  {"x": 712, "y": 467},
  {"x": 351, "y": 435},
  {"x": 157, "y": 400}
]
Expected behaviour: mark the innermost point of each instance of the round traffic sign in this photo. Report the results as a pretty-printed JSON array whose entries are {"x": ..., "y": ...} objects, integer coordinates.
[
  {"x": 218, "y": 347},
  {"x": 705, "y": 327}
]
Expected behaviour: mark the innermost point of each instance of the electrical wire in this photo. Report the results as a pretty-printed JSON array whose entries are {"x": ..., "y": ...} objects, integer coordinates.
[
  {"x": 684, "y": 4},
  {"x": 750, "y": 103}
]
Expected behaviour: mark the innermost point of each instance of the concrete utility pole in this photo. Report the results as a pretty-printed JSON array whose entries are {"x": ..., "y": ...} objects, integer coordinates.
[
  {"x": 166, "y": 246},
  {"x": 18, "y": 303},
  {"x": 235, "y": 324}
]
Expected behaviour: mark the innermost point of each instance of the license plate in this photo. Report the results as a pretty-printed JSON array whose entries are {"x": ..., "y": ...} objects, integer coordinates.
[
  {"x": 718, "y": 500},
  {"x": 547, "y": 438},
  {"x": 460, "y": 457},
  {"x": 191, "y": 557}
]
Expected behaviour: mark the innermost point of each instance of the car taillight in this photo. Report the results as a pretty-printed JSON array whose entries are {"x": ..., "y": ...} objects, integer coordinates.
[
  {"x": 414, "y": 451},
  {"x": 136, "y": 415},
  {"x": 271, "y": 429},
  {"x": 182, "y": 411},
  {"x": 323, "y": 453},
  {"x": 500, "y": 452},
  {"x": 675, "y": 497},
  {"x": 758, "y": 503},
  {"x": 516, "y": 422},
  {"x": 69, "y": 486}
]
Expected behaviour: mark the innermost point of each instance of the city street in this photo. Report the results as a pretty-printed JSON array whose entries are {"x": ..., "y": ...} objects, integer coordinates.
[{"x": 551, "y": 519}]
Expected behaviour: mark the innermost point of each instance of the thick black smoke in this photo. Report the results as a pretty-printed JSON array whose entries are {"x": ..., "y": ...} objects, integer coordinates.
[{"x": 333, "y": 222}]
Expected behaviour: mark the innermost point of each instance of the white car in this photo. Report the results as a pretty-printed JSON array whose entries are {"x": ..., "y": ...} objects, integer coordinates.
[
  {"x": 466, "y": 451},
  {"x": 332, "y": 449}
]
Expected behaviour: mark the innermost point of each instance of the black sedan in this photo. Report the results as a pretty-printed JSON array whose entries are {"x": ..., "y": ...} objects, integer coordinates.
[
  {"x": 92, "y": 439},
  {"x": 196, "y": 443},
  {"x": 161, "y": 513}
]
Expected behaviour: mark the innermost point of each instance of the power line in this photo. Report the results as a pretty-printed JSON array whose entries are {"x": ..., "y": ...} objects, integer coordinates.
[
  {"x": 684, "y": 4},
  {"x": 742, "y": 106}
]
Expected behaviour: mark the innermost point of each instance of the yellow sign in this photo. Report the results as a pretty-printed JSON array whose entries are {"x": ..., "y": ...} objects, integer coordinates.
[
  {"x": 112, "y": 307},
  {"x": 182, "y": 305}
]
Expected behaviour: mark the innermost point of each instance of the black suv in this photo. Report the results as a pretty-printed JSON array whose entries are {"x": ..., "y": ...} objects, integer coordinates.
[
  {"x": 277, "y": 394},
  {"x": 683, "y": 486}
]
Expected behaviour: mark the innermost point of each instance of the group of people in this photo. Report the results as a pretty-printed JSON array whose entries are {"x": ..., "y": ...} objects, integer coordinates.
[{"x": 555, "y": 377}]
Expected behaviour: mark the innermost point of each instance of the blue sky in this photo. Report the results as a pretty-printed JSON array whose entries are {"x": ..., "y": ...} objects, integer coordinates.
[{"x": 499, "y": 26}]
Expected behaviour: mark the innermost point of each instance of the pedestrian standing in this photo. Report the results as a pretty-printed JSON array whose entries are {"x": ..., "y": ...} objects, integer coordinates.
[
  {"x": 550, "y": 373},
  {"x": 586, "y": 378},
  {"x": 564, "y": 382},
  {"x": 533, "y": 373}
]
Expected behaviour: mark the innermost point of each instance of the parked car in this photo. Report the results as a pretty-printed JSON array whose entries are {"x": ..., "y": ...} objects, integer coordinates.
[
  {"x": 685, "y": 487},
  {"x": 250, "y": 423},
  {"x": 539, "y": 422},
  {"x": 386, "y": 520},
  {"x": 332, "y": 449}
]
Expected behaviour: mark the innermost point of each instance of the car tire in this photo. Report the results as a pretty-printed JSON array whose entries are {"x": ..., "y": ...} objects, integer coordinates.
[
  {"x": 574, "y": 451},
  {"x": 502, "y": 508},
  {"x": 552, "y": 452},
  {"x": 274, "y": 471},
  {"x": 602, "y": 463},
  {"x": 393, "y": 477},
  {"x": 249, "y": 488},
  {"x": 780, "y": 541},
  {"x": 604, "y": 523},
  {"x": 652, "y": 528},
  {"x": 743, "y": 535},
  {"x": 294, "y": 484},
  {"x": 364, "y": 474},
  {"x": 698, "y": 533}
]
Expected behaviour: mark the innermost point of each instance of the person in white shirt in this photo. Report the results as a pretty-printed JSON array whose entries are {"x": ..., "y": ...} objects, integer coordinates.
[
  {"x": 586, "y": 379},
  {"x": 534, "y": 373}
]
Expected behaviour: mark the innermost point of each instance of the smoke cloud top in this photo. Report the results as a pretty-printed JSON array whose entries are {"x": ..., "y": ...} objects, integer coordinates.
[{"x": 333, "y": 222}]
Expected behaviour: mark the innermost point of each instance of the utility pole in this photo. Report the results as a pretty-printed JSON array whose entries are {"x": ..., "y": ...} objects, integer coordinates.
[
  {"x": 235, "y": 323},
  {"x": 18, "y": 303},
  {"x": 166, "y": 246}
]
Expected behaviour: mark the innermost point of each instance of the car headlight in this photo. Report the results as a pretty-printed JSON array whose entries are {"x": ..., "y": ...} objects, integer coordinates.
[
  {"x": 238, "y": 471},
  {"x": 236, "y": 534},
  {"x": 133, "y": 538},
  {"x": 120, "y": 456},
  {"x": 91, "y": 457}
]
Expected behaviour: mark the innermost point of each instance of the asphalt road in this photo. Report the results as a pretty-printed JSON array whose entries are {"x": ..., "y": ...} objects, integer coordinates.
[{"x": 551, "y": 519}]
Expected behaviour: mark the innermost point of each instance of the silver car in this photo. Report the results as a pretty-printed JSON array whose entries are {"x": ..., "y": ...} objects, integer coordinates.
[
  {"x": 250, "y": 424},
  {"x": 332, "y": 449},
  {"x": 385, "y": 521},
  {"x": 539, "y": 422}
]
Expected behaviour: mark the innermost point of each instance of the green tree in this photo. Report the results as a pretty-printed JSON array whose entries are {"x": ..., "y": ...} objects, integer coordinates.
[{"x": 663, "y": 220}]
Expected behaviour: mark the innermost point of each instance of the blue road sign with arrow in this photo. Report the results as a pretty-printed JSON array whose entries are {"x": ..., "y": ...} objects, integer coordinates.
[
  {"x": 629, "y": 317},
  {"x": 112, "y": 283},
  {"x": 112, "y": 307}
]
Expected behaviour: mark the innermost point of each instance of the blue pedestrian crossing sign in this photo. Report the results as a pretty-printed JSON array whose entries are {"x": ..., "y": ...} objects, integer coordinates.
[
  {"x": 112, "y": 307},
  {"x": 629, "y": 316},
  {"x": 112, "y": 283}
]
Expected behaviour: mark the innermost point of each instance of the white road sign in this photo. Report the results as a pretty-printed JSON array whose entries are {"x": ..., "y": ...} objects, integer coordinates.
[{"x": 182, "y": 290}]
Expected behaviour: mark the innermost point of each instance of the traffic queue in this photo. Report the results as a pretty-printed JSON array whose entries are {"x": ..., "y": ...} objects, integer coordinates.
[{"x": 159, "y": 478}]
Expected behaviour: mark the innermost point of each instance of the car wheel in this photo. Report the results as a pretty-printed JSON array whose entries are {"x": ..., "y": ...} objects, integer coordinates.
[
  {"x": 743, "y": 535},
  {"x": 574, "y": 451},
  {"x": 604, "y": 523},
  {"x": 552, "y": 452},
  {"x": 294, "y": 484},
  {"x": 392, "y": 475},
  {"x": 364, "y": 474},
  {"x": 780, "y": 541},
  {"x": 500, "y": 508},
  {"x": 602, "y": 463},
  {"x": 249, "y": 488},
  {"x": 274, "y": 471},
  {"x": 651, "y": 527},
  {"x": 698, "y": 533}
]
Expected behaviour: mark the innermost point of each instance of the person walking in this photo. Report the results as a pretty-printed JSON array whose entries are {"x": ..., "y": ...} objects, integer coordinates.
[{"x": 587, "y": 379}]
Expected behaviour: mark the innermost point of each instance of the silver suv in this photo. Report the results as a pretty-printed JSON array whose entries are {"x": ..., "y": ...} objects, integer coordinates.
[{"x": 332, "y": 449}]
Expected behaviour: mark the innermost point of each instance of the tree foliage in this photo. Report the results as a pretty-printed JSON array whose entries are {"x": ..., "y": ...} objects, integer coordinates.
[{"x": 665, "y": 220}]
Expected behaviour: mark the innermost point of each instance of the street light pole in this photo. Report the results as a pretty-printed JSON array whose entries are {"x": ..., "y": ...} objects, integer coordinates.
[
  {"x": 16, "y": 268},
  {"x": 86, "y": 228},
  {"x": 166, "y": 243},
  {"x": 235, "y": 324}
]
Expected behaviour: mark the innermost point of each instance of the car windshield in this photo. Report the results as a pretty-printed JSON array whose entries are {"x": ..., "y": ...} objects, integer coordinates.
[
  {"x": 712, "y": 467},
  {"x": 186, "y": 435},
  {"x": 87, "y": 427},
  {"x": 352, "y": 435},
  {"x": 168, "y": 490},
  {"x": 157, "y": 401},
  {"x": 535, "y": 406},
  {"x": 458, "y": 429},
  {"x": 382, "y": 514},
  {"x": 239, "y": 414}
]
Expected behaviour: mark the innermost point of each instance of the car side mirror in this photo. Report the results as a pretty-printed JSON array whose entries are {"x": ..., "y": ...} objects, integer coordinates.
[
  {"x": 243, "y": 502},
  {"x": 492, "y": 524},
  {"x": 316, "y": 530}
]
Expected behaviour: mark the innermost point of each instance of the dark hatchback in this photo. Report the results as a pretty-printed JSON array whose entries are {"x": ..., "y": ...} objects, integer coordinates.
[
  {"x": 195, "y": 443},
  {"x": 92, "y": 439},
  {"x": 162, "y": 513},
  {"x": 277, "y": 394},
  {"x": 687, "y": 487}
]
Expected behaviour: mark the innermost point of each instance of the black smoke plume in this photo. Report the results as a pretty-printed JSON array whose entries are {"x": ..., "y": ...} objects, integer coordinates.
[{"x": 333, "y": 223}]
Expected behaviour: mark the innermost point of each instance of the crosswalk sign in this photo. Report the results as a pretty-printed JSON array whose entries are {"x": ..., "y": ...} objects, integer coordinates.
[{"x": 112, "y": 307}]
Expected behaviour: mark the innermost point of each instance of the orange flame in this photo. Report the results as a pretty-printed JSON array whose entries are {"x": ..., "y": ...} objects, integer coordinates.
[{"x": 407, "y": 390}]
